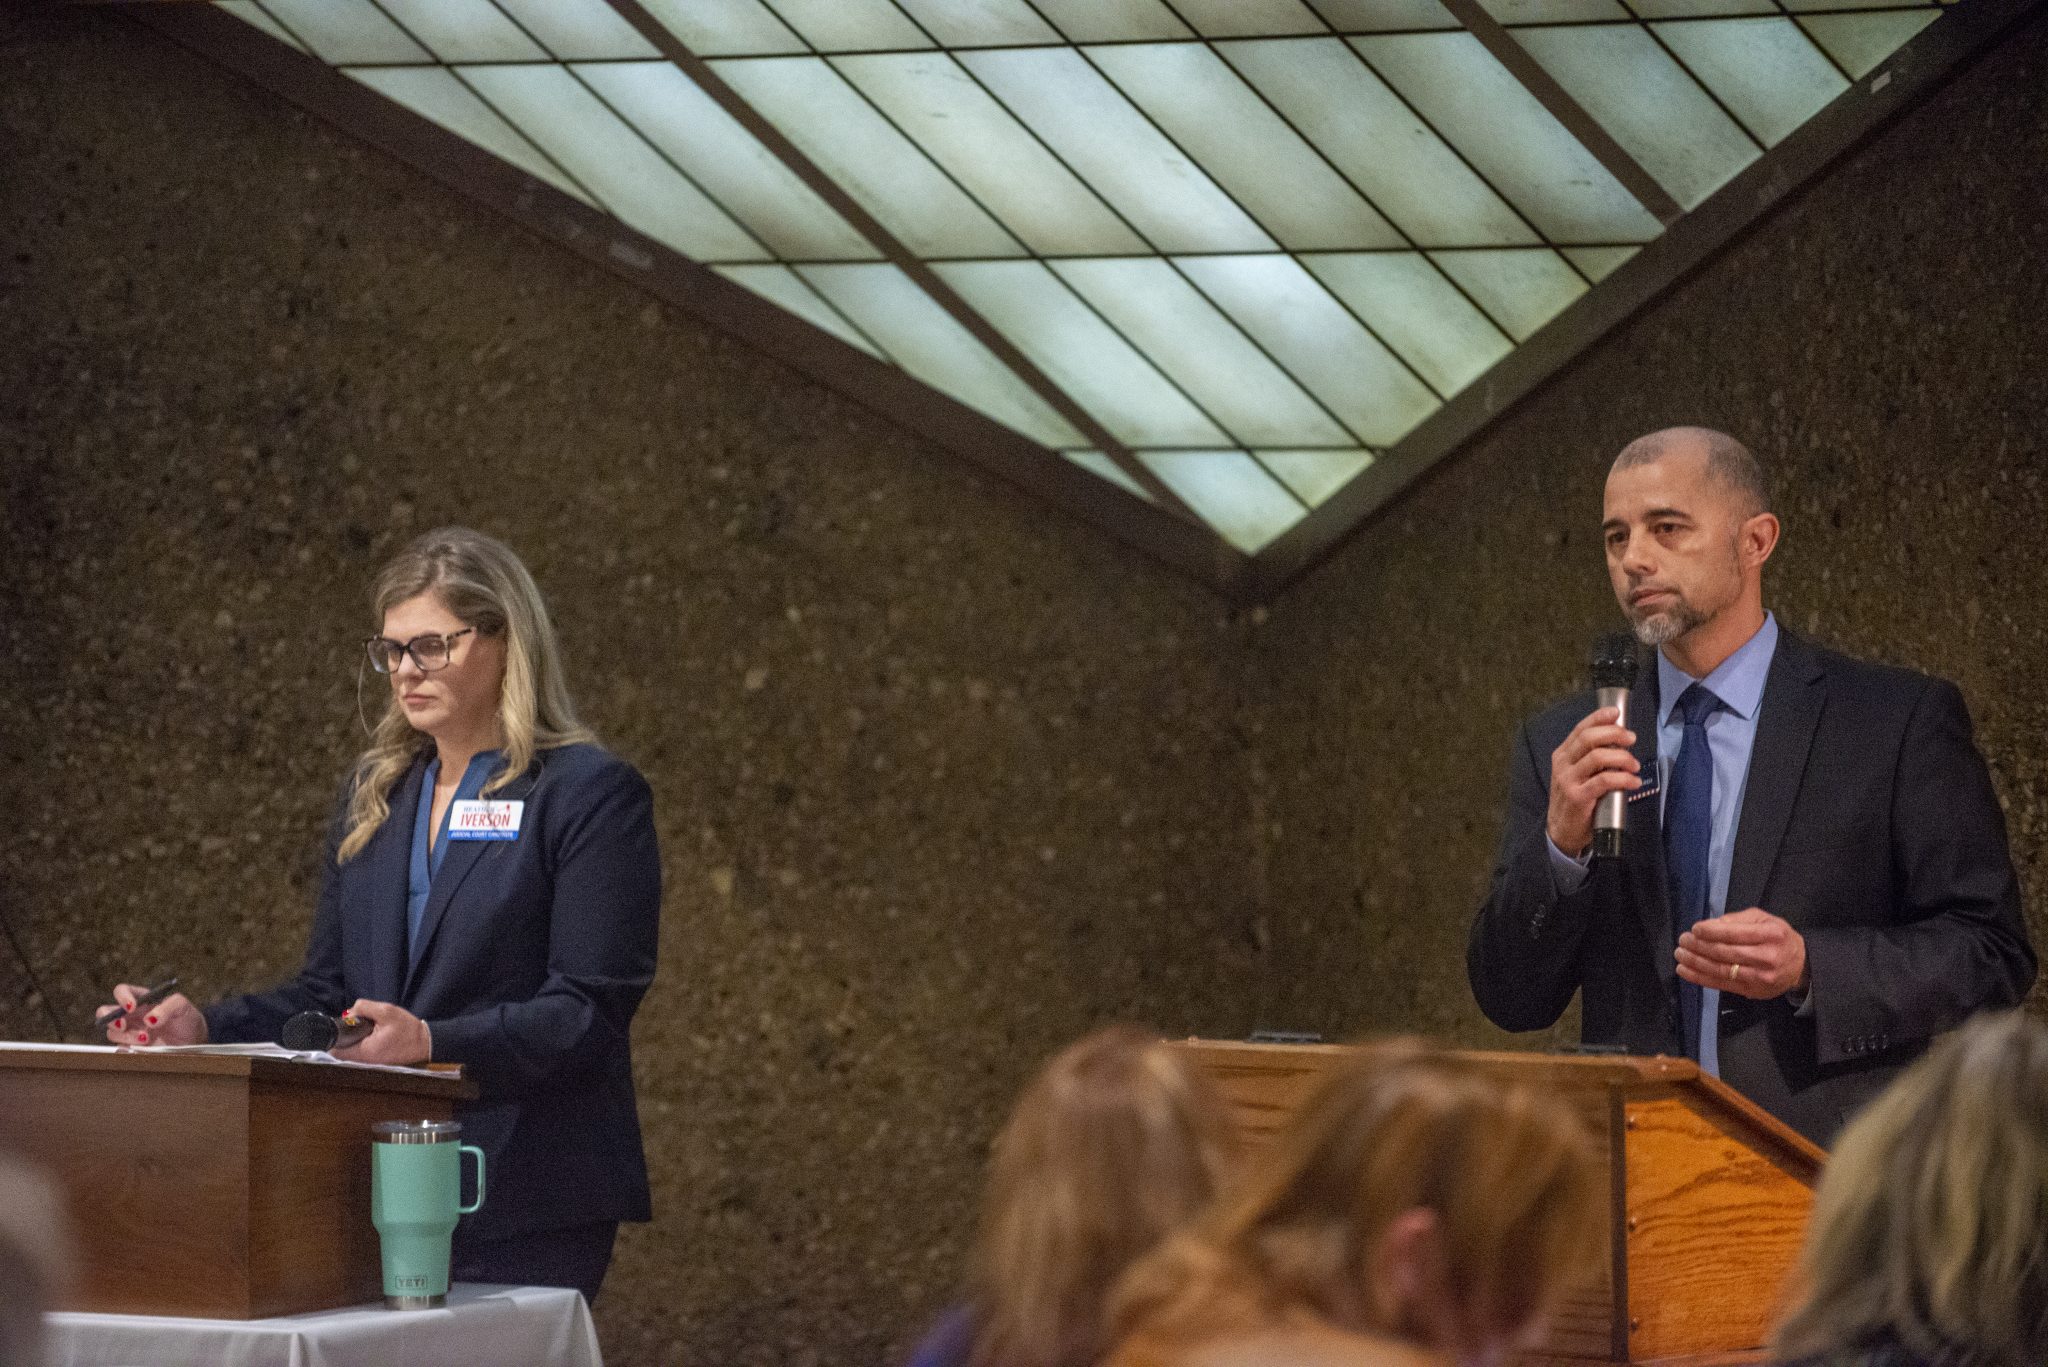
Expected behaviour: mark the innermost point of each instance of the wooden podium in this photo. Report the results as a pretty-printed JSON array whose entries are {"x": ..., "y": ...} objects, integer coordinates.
[
  {"x": 1710, "y": 1194},
  {"x": 213, "y": 1185}
]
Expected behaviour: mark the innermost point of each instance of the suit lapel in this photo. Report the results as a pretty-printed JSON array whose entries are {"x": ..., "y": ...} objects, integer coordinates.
[
  {"x": 1794, "y": 692},
  {"x": 455, "y": 867},
  {"x": 388, "y": 870},
  {"x": 1645, "y": 827}
]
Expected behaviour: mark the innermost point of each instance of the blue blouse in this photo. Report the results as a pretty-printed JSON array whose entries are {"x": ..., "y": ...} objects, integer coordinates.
[{"x": 427, "y": 862}]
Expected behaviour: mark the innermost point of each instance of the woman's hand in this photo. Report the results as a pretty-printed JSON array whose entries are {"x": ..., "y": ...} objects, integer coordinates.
[
  {"x": 396, "y": 1036},
  {"x": 174, "y": 1020}
]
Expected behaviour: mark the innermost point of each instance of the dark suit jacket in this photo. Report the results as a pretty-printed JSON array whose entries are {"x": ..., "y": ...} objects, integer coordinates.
[
  {"x": 1869, "y": 823},
  {"x": 534, "y": 954}
]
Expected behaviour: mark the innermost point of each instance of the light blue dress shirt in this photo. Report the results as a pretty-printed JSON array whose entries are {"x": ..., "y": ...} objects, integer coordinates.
[
  {"x": 1738, "y": 682},
  {"x": 426, "y": 861}
]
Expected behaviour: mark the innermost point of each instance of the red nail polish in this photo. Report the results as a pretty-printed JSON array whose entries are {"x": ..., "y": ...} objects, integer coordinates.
[
  {"x": 150, "y": 1021},
  {"x": 142, "y": 1038}
]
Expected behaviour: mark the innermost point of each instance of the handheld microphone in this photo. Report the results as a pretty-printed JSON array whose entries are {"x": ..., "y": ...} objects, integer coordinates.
[
  {"x": 317, "y": 1032},
  {"x": 1614, "y": 674}
]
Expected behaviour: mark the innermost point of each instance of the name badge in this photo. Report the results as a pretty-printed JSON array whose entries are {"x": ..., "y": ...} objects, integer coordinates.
[{"x": 485, "y": 820}]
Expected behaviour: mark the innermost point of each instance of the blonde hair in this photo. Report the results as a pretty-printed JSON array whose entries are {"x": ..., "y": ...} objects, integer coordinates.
[
  {"x": 1931, "y": 1221},
  {"x": 1508, "y": 1175},
  {"x": 1116, "y": 1141},
  {"x": 480, "y": 581}
]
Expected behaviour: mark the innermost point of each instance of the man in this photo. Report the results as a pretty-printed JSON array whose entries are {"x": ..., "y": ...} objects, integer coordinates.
[{"x": 1814, "y": 880}]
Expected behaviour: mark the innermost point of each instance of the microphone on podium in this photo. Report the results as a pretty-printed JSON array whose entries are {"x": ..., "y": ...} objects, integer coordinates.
[
  {"x": 316, "y": 1031},
  {"x": 1614, "y": 674}
]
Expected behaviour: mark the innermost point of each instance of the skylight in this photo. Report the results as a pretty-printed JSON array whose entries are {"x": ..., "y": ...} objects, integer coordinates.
[{"x": 1250, "y": 245}]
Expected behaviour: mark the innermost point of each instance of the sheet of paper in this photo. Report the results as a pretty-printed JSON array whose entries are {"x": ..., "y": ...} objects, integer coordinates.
[{"x": 240, "y": 1050}]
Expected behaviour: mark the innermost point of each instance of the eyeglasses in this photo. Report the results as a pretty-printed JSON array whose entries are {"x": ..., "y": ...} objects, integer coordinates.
[{"x": 429, "y": 652}]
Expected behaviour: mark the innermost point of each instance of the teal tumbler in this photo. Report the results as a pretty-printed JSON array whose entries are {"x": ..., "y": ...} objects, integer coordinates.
[{"x": 415, "y": 1195}]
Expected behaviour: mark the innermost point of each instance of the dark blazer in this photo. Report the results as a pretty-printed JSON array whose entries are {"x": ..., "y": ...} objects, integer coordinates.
[
  {"x": 1869, "y": 823},
  {"x": 534, "y": 954}
]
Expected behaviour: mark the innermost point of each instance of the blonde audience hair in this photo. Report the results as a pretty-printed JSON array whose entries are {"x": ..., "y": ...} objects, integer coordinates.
[
  {"x": 480, "y": 581},
  {"x": 1507, "y": 1174},
  {"x": 1116, "y": 1141},
  {"x": 36, "y": 1262},
  {"x": 1931, "y": 1221}
]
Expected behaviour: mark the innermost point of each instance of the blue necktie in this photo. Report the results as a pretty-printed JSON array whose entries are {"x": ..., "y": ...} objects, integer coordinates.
[{"x": 1688, "y": 831}]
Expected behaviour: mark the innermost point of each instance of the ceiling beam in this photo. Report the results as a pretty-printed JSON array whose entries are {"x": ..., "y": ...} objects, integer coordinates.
[{"x": 1560, "y": 105}]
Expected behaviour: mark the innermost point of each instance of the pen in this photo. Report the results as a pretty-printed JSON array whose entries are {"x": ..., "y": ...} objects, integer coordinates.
[{"x": 142, "y": 1003}]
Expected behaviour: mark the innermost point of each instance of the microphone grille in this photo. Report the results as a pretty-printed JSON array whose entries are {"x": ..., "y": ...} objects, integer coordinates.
[
  {"x": 309, "y": 1032},
  {"x": 1614, "y": 661}
]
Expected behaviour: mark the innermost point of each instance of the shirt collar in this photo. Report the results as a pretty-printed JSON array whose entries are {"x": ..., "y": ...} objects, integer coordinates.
[{"x": 1737, "y": 681}]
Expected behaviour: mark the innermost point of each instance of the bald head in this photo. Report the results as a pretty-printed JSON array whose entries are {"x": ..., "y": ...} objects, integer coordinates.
[{"x": 1729, "y": 462}]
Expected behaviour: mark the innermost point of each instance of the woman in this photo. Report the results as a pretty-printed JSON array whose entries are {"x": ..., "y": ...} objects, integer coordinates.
[
  {"x": 1929, "y": 1241},
  {"x": 1414, "y": 1213},
  {"x": 490, "y": 898},
  {"x": 1115, "y": 1142}
]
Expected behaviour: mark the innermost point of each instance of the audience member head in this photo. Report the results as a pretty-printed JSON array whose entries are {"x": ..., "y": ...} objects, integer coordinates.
[
  {"x": 1930, "y": 1228},
  {"x": 1115, "y": 1142},
  {"x": 35, "y": 1260},
  {"x": 1411, "y": 1199}
]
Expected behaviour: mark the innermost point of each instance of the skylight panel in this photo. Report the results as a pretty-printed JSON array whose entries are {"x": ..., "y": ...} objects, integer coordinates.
[
  {"x": 961, "y": 126},
  {"x": 1095, "y": 463},
  {"x": 579, "y": 30},
  {"x": 1521, "y": 290},
  {"x": 1597, "y": 263},
  {"x": 729, "y": 163},
  {"x": 1122, "y": 156},
  {"x": 1661, "y": 115},
  {"x": 839, "y": 130},
  {"x": 1319, "y": 342},
  {"x": 980, "y": 23},
  {"x": 781, "y": 286},
  {"x": 851, "y": 25},
  {"x": 1351, "y": 116},
  {"x": 1768, "y": 73},
  {"x": 1182, "y": 333},
  {"x": 1248, "y": 18},
  {"x": 1312, "y": 476},
  {"x": 1488, "y": 115},
  {"x": 726, "y": 28},
  {"x": 434, "y": 93},
  {"x": 1810, "y": 5},
  {"x": 1420, "y": 314},
  {"x": 560, "y": 116},
  {"x": 1112, "y": 21},
  {"x": 1385, "y": 16},
  {"x": 346, "y": 32},
  {"x": 929, "y": 343},
  {"x": 1080, "y": 353},
  {"x": 1862, "y": 42},
  {"x": 251, "y": 13},
  {"x": 1513, "y": 12},
  {"x": 1204, "y": 106},
  {"x": 465, "y": 30},
  {"x": 1701, "y": 9},
  {"x": 1231, "y": 492}
]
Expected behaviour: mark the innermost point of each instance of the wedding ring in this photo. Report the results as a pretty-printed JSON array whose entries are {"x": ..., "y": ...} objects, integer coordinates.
[{"x": 1735, "y": 974}]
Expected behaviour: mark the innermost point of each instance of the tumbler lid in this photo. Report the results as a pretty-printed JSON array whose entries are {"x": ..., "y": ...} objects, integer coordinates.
[{"x": 417, "y": 1131}]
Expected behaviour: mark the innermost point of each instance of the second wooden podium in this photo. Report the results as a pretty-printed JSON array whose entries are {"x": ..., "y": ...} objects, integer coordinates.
[
  {"x": 1710, "y": 1195},
  {"x": 214, "y": 1185}
]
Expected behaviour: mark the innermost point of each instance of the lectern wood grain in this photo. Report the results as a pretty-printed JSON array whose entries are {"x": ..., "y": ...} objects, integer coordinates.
[
  {"x": 1709, "y": 1195},
  {"x": 211, "y": 1185}
]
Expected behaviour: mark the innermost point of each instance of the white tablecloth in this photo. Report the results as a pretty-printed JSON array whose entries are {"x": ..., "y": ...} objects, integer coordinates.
[{"x": 503, "y": 1326}]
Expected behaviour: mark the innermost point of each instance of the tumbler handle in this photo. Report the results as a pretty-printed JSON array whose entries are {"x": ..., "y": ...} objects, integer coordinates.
[{"x": 477, "y": 1204}]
